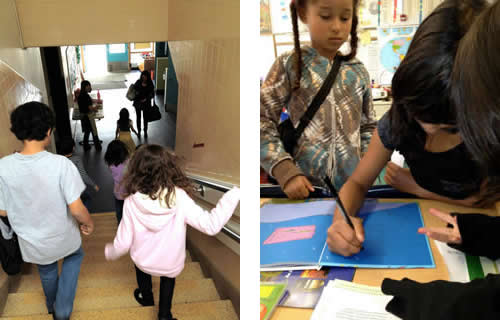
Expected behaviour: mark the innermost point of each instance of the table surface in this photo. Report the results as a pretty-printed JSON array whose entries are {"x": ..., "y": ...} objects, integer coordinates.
[{"x": 374, "y": 277}]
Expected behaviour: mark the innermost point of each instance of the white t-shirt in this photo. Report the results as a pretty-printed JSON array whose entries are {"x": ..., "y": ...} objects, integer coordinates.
[{"x": 35, "y": 190}]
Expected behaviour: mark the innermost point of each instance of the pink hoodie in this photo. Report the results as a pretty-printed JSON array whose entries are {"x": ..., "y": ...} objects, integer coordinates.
[{"x": 156, "y": 235}]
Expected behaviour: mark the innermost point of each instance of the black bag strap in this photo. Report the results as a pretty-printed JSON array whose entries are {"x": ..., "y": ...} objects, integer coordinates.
[{"x": 319, "y": 98}]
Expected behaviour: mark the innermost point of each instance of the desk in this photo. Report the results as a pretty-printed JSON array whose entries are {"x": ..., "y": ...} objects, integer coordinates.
[
  {"x": 98, "y": 115},
  {"x": 374, "y": 277}
]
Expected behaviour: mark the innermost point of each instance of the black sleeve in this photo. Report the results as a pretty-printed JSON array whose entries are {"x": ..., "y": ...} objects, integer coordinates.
[
  {"x": 385, "y": 132},
  {"x": 443, "y": 300},
  {"x": 480, "y": 235},
  {"x": 84, "y": 102}
]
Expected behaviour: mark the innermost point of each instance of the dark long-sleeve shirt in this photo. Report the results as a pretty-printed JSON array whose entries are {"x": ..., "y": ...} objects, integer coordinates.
[{"x": 443, "y": 300}]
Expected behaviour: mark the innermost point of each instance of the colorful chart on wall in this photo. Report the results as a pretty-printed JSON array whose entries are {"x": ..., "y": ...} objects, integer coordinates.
[
  {"x": 394, "y": 43},
  {"x": 265, "y": 17}
]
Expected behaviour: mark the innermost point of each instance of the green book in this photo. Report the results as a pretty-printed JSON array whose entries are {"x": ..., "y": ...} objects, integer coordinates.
[{"x": 270, "y": 296}]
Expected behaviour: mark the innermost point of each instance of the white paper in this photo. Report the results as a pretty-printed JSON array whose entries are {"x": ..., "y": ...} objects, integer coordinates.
[
  {"x": 455, "y": 262},
  {"x": 369, "y": 55},
  {"x": 398, "y": 159},
  {"x": 344, "y": 300}
]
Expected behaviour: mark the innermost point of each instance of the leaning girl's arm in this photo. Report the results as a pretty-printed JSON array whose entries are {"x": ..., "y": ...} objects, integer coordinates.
[
  {"x": 467, "y": 202},
  {"x": 353, "y": 191},
  {"x": 274, "y": 96},
  {"x": 210, "y": 222},
  {"x": 124, "y": 236}
]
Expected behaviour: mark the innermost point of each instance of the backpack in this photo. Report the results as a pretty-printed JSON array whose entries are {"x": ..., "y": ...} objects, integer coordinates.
[{"x": 10, "y": 255}]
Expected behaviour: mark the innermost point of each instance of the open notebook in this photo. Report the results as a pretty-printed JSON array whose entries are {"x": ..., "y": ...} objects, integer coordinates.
[{"x": 293, "y": 236}]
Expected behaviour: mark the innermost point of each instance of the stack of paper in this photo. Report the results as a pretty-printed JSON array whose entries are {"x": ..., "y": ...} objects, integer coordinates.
[
  {"x": 343, "y": 300},
  {"x": 463, "y": 267}
]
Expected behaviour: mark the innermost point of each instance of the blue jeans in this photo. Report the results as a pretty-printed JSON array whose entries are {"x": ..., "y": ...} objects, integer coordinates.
[
  {"x": 119, "y": 209},
  {"x": 60, "y": 289}
]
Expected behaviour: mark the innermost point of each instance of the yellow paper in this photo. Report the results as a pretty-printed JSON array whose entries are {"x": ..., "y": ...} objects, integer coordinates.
[
  {"x": 365, "y": 37},
  {"x": 265, "y": 291}
]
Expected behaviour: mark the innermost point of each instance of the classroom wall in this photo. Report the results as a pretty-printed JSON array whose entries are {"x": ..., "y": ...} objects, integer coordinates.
[
  {"x": 21, "y": 74},
  {"x": 66, "y": 22},
  {"x": 208, "y": 110}
]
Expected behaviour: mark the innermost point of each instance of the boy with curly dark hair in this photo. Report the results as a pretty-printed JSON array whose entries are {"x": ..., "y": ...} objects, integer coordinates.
[{"x": 36, "y": 190}]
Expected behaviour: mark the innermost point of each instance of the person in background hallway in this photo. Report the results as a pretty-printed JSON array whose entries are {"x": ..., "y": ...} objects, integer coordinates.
[
  {"x": 158, "y": 206},
  {"x": 145, "y": 91},
  {"x": 85, "y": 106},
  {"x": 116, "y": 157},
  {"x": 36, "y": 190},
  {"x": 123, "y": 127},
  {"x": 67, "y": 149}
]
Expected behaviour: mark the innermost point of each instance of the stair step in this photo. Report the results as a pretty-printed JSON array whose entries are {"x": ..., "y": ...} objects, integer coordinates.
[
  {"x": 99, "y": 275},
  {"x": 29, "y": 303},
  {"x": 99, "y": 260},
  {"x": 220, "y": 310}
]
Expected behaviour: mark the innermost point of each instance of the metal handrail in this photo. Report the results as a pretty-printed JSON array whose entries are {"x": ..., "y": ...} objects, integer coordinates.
[{"x": 219, "y": 186}]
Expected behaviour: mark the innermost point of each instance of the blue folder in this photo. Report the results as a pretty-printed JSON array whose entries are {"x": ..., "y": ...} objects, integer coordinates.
[{"x": 391, "y": 238}]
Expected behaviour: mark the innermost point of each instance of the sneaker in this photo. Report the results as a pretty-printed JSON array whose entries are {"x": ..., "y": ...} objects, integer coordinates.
[{"x": 143, "y": 301}]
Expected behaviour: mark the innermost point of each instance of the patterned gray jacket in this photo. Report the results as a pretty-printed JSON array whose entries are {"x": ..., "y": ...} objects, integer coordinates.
[{"x": 339, "y": 133}]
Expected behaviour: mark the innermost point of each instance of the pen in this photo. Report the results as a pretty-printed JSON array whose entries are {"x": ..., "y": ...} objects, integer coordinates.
[{"x": 339, "y": 202}]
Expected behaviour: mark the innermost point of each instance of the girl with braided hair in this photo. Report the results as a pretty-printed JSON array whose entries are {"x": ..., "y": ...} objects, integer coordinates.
[{"x": 340, "y": 131}]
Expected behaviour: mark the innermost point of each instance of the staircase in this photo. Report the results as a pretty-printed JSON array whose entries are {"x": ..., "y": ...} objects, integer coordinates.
[{"x": 105, "y": 289}]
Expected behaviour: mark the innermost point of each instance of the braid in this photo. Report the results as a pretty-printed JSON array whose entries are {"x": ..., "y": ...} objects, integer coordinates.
[
  {"x": 354, "y": 32},
  {"x": 296, "y": 42}
]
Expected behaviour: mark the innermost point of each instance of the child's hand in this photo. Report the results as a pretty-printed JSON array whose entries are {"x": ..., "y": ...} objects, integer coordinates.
[
  {"x": 342, "y": 239},
  {"x": 96, "y": 187},
  {"x": 401, "y": 179},
  {"x": 298, "y": 188},
  {"x": 87, "y": 229},
  {"x": 448, "y": 235}
]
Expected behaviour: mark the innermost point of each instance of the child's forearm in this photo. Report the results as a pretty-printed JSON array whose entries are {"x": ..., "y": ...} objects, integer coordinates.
[
  {"x": 352, "y": 195},
  {"x": 467, "y": 202},
  {"x": 80, "y": 213}
]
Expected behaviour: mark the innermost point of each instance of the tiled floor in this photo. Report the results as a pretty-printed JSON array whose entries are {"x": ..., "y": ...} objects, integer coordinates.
[{"x": 159, "y": 132}]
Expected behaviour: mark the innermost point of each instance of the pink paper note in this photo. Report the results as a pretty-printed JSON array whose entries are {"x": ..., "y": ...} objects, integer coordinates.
[{"x": 291, "y": 234}]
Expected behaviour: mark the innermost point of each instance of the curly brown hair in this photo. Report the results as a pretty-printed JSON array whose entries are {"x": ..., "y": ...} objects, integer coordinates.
[
  {"x": 297, "y": 5},
  {"x": 154, "y": 169}
]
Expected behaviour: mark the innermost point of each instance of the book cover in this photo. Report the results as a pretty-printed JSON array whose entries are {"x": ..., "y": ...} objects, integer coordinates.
[
  {"x": 293, "y": 236},
  {"x": 270, "y": 296},
  {"x": 305, "y": 286}
]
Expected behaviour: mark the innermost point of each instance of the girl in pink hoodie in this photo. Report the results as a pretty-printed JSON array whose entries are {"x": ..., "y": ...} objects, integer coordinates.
[{"x": 157, "y": 208}]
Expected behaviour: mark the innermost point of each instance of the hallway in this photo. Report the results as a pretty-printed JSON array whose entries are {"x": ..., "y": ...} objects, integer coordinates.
[{"x": 160, "y": 132}]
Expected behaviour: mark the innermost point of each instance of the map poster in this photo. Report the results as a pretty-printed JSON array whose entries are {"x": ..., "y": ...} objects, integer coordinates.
[{"x": 394, "y": 43}]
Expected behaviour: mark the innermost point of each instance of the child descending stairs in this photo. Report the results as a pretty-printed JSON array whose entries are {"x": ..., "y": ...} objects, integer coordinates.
[{"x": 105, "y": 288}]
